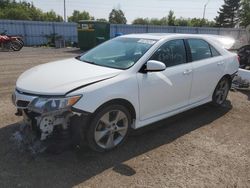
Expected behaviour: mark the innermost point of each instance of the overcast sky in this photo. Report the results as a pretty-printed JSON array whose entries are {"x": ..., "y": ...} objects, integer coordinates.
[{"x": 134, "y": 8}]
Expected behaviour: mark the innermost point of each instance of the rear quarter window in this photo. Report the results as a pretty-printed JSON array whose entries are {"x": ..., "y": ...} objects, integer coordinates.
[{"x": 214, "y": 52}]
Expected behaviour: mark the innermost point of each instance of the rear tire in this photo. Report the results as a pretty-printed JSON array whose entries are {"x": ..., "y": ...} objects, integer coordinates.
[
  {"x": 108, "y": 128},
  {"x": 221, "y": 92}
]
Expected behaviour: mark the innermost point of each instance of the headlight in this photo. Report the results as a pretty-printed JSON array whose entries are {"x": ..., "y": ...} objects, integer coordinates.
[{"x": 44, "y": 105}]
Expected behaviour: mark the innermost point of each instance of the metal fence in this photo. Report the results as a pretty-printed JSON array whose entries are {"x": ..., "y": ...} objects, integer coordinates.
[
  {"x": 35, "y": 32},
  {"x": 240, "y": 35}
]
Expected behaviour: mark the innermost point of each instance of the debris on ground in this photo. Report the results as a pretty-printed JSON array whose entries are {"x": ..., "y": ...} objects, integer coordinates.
[
  {"x": 240, "y": 84},
  {"x": 26, "y": 140}
]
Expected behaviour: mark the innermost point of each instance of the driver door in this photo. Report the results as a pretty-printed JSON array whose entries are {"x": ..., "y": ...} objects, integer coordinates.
[{"x": 168, "y": 90}]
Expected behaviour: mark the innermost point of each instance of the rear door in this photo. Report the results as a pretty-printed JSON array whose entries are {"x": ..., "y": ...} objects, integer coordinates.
[
  {"x": 208, "y": 67},
  {"x": 168, "y": 90}
]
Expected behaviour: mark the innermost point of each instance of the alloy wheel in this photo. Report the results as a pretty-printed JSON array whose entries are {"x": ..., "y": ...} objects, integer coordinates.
[
  {"x": 111, "y": 129},
  {"x": 221, "y": 91}
]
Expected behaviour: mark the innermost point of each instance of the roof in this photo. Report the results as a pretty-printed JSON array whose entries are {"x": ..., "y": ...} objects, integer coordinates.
[
  {"x": 153, "y": 36},
  {"x": 158, "y": 36},
  {"x": 223, "y": 41}
]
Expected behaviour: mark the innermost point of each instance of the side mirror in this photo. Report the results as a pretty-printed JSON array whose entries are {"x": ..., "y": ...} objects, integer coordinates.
[{"x": 155, "y": 66}]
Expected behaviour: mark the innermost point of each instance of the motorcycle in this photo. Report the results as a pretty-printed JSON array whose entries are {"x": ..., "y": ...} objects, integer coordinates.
[{"x": 11, "y": 42}]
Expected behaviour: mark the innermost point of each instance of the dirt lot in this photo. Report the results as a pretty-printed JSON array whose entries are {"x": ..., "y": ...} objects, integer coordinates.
[{"x": 204, "y": 147}]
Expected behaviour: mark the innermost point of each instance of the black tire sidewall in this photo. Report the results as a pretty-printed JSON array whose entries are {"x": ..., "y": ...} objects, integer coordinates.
[
  {"x": 19, "y": 44},
  {"x": 93, "y": 123}
]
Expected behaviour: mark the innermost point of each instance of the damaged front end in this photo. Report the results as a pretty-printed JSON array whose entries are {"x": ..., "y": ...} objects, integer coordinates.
[{"x": 48, "y": 117}]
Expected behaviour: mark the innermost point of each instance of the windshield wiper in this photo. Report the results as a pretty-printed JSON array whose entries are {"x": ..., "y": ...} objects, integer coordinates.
[{"x": 90, "y": 62}]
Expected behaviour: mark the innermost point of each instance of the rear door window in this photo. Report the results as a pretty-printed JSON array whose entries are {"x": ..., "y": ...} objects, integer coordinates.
[{"x": 200, "y": 49}]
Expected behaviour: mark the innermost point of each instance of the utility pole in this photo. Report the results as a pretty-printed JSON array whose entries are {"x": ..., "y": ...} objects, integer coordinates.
[
  {"x": 204, "y": 11},
  {"x": 65, "y": 11}
]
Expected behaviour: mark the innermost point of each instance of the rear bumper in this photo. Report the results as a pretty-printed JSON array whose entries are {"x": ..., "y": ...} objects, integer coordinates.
[{"x": 233, "y": 75}]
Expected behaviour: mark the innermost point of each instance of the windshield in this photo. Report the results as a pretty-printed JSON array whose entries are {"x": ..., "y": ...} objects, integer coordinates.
[{"x": 120, "y": 53}]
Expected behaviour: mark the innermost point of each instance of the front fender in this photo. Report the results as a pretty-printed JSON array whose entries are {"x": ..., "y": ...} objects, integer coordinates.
[{"x": 120, "y": 87}]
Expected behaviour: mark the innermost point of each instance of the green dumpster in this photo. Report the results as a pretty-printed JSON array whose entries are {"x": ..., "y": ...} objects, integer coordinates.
[{"x": 92, "y": 33}]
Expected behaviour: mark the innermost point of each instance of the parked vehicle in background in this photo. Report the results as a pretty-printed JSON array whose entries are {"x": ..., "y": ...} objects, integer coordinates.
[
  {"x": 8, "y": 42},
  {"x": 244, "y": 56},
  {"x": 18, "y": 38},
  {"x": 125, "y": 83}
]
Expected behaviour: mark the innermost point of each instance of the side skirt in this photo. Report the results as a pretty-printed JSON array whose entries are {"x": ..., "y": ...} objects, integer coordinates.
[{"x": 146, "y": 122}]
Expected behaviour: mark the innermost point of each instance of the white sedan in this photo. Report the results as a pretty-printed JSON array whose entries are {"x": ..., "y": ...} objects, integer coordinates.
[{"x": 125, "y": 83}]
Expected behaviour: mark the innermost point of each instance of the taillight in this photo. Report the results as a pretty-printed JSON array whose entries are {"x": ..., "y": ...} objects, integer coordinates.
[{"x": 238, "y": 59}]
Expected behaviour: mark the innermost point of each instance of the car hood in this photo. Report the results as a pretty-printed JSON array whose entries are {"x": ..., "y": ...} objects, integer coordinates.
[{"x": 60, "y": 77}]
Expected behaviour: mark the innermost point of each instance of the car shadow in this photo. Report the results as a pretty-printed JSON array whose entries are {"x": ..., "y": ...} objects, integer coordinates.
[{"x": 74, "y": 167}]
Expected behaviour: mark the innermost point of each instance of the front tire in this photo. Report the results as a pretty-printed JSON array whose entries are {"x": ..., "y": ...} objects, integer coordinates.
[
  {"x": 16, "y": 45},
  {"x": 221, "y": 92},
  {"x": 108, "y": 128}
]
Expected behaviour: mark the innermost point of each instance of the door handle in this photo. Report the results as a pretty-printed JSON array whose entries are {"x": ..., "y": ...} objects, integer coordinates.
[
  {"x": 188, "y": 71},
  {"x": 220, "y": 63}
]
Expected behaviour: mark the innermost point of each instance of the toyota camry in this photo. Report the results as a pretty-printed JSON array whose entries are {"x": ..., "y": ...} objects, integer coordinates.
[{"x": 125, "y": 83}]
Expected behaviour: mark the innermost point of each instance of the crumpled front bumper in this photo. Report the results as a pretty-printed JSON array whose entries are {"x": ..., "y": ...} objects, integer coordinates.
[{"x": 45, "y": 125}]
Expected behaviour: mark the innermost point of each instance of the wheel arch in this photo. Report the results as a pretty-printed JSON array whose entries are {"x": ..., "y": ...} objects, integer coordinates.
[
  {"x": 229, "y": 77},
  {"x": 120, "y": 101}
]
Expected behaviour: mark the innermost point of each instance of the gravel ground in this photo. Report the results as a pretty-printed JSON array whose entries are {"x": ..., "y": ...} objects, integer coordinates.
[{"x": 203, "y": 147}]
